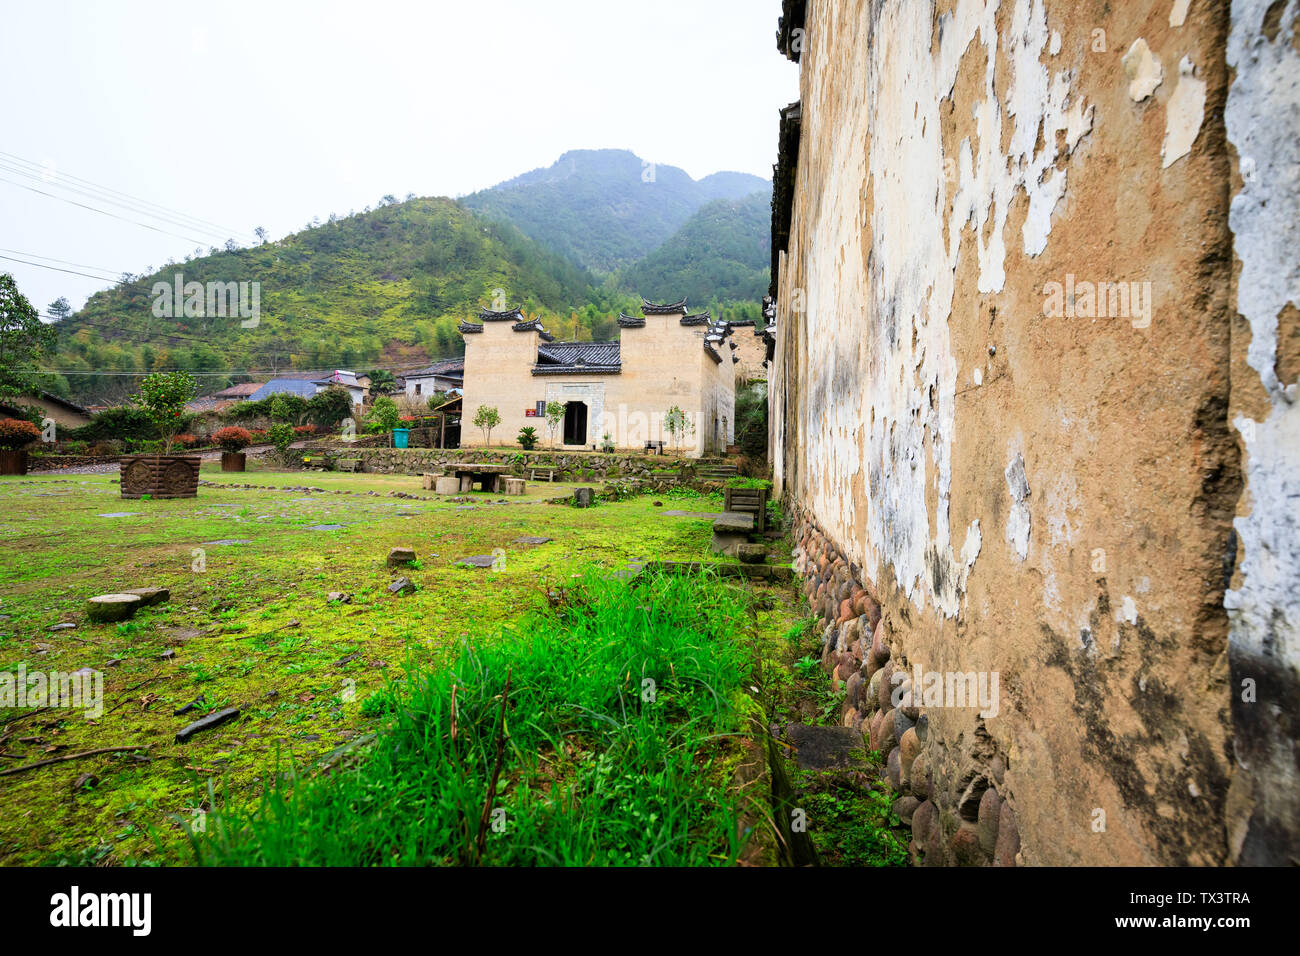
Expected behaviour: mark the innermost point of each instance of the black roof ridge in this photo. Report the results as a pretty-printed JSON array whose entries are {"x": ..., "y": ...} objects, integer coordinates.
[
  {"x": 652, "y": 308},
  {"x": 487, "y": 315}
]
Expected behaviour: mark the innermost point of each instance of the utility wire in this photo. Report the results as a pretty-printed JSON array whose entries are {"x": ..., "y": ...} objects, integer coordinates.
[{"x": 148, "y": 207}]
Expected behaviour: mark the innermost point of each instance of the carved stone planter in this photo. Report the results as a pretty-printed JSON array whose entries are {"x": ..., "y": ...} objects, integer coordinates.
[
  {"x": 160, "y": 476},
  {"x": 13, "y": 461},
  {"x": 233, "y": 460}
]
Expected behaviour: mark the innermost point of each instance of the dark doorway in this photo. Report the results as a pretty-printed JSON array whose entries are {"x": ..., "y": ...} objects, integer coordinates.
[{"x": 575, "y": 423}]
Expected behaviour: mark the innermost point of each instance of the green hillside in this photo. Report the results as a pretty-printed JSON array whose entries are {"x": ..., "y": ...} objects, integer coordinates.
[
  {"x": 383, "y": 287},
  {"x": 606, "y": 208},
  {"x": 721, "y": 253}
]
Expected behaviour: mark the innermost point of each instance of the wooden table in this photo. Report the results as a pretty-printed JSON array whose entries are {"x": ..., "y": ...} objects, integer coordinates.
[{"x": 485, "y": 474}]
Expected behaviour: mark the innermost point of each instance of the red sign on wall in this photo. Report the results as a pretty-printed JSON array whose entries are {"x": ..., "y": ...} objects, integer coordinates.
[{"x": 530, "y": 413}]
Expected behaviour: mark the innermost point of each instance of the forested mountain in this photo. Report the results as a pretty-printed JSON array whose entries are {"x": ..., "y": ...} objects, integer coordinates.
[
  {"x": 606, "y": 208},
  {"x": 388, "y": 287},
  {"x": 722, "y": 252},
  {"x": 375, "y": 288}
]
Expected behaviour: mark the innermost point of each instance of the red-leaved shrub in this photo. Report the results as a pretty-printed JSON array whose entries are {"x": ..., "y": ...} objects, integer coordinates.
[
  {"x": 17, "y": 432},
  {"x": 233, "y": 438}
]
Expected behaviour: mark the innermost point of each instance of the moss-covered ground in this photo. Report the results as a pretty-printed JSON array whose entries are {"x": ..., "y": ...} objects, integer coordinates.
[{"x": 248, "y": 625}]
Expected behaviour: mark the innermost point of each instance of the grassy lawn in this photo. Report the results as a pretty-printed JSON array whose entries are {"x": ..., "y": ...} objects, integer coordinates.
[{"x": 248, "y": 625}]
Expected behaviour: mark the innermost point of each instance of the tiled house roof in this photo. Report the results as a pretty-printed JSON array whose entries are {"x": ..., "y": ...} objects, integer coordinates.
[
  {"x": 650, "y": 308},
  {"x": 469, "y": 327},
  {"x": 699, "y": 318},
  {"x": 630, "y": 321},
  {"x": 534, "y": 325},
  {"x": 451, "y": 368},
  {"x": 587, "y": 357},
  {"x": 513, "y": 315},
  {"x": 278, "y": 386}
]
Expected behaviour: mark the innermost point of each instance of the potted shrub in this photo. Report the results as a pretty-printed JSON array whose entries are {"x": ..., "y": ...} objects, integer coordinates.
[
  {"x": 15, "y": 435},
  {"x": 233, "y": 440},
  {"x": 163, "y": 396},
  {"x": 527, "y": 437}
]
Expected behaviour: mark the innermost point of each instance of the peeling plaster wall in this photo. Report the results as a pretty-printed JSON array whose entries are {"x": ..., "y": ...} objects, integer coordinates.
[
  {"x": 1036, "y": 475},
  {"x": 1263, "y": 119}
]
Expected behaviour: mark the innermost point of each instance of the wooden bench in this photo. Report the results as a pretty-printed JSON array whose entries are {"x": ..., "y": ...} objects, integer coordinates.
[
  {"x": 348, "y": 464},
  {"x": 539, "y": 474}
]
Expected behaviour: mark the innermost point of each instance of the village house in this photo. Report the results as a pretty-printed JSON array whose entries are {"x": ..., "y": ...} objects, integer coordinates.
[
  {"x": 613, "y": 392},
  {"x": 438, "y": 377}
]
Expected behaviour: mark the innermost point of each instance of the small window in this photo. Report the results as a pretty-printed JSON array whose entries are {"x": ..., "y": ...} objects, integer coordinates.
[
  {"x": 541, "y": 409},
  {"x": 417, "y": 388}
]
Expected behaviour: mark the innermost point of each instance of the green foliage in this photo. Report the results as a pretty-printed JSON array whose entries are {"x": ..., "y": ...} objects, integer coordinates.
[
  {"x": 487, "y": 418},
  {"x": 162, "y": 397},
  {"x": 527, "y": 437},
  {"x": 122, "y": 421},
  {"x": 751, "y": 420},
  {"x": 678, "y": 424},
  {"x": 384, "y": 416},
  {"x": 723, "y": 252},
  {"x": 330, "y": 406},
  {"x": 382, "y": 381},
  {"x": 605, "y": 208},
  {"x": 554, "y": 418},
  {"x": 24, "y": 341},
  {"x": 619, "y": 708},
  {"x": 343, "y": 295},
  {"x": 607, "y": 444},
  {"x": 282, "y": 436},
  {"x": 288, "y": 407}
]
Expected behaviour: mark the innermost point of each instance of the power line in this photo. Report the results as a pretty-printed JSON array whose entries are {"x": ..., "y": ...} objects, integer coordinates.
[
  {"x": 107, "y": 194},
  {"x": 104, "y": 212}
]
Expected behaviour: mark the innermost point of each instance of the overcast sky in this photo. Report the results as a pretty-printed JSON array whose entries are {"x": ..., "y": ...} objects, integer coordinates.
[{"x": 267, "y": 113}]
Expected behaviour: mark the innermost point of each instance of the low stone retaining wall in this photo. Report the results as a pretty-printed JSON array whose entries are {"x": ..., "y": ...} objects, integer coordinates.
[
  {"x": 568, "y": 466},
  {"x": 57, "y": 462},
  {"x": 950, "y": 798}
]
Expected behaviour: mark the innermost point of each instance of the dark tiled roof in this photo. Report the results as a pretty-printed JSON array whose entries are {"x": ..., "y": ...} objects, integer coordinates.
[
  {"x": 700, "y": 318},
  {"x": 534, "y": 325},
  {"x": 587, "y": 357},
  {"x": 451, "y": 368},
  {"x": 469, "y": 327},
  {"x": 739, "y": 323},
  {"x": 280, "y": 386},
  {"x": 650, "y": 308},
  {"x": 713, "y": 353},
  {"x": 630, "y": 321},
  {"x": 513, "y": 315}
]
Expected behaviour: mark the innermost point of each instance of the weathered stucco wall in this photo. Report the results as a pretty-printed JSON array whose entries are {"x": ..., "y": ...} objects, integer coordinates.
[{"x": 1028, "y": 312}]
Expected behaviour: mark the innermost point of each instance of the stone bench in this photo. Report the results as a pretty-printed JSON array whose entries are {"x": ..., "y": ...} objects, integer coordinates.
[
  {"x": 348, "y": 464},
  {"x": 515, "y": 486},
  {"x": 731, "y": 529}
]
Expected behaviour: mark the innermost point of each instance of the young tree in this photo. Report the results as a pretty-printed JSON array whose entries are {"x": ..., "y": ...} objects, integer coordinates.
[
  {"x": 384, "y": 416},
  {"x": 679, "y": 425},
  {"x": 59, "y": 309},
  {"x": 554, "y": 418},
  {"x": 261, "y": 234},
  {"x": 24, "y": 340},
  {"x": 163, "y": 396},
  {"x": 487, "y": 418}
]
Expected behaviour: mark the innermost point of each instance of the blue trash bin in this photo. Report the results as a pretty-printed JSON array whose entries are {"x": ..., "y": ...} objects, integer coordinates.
[{"x": 400, "y": 437}]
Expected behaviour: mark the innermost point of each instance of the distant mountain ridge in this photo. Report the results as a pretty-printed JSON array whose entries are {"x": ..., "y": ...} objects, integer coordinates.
[
  {"x": 387, "y": 287},
  {"x": 606, "y": 208}
]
